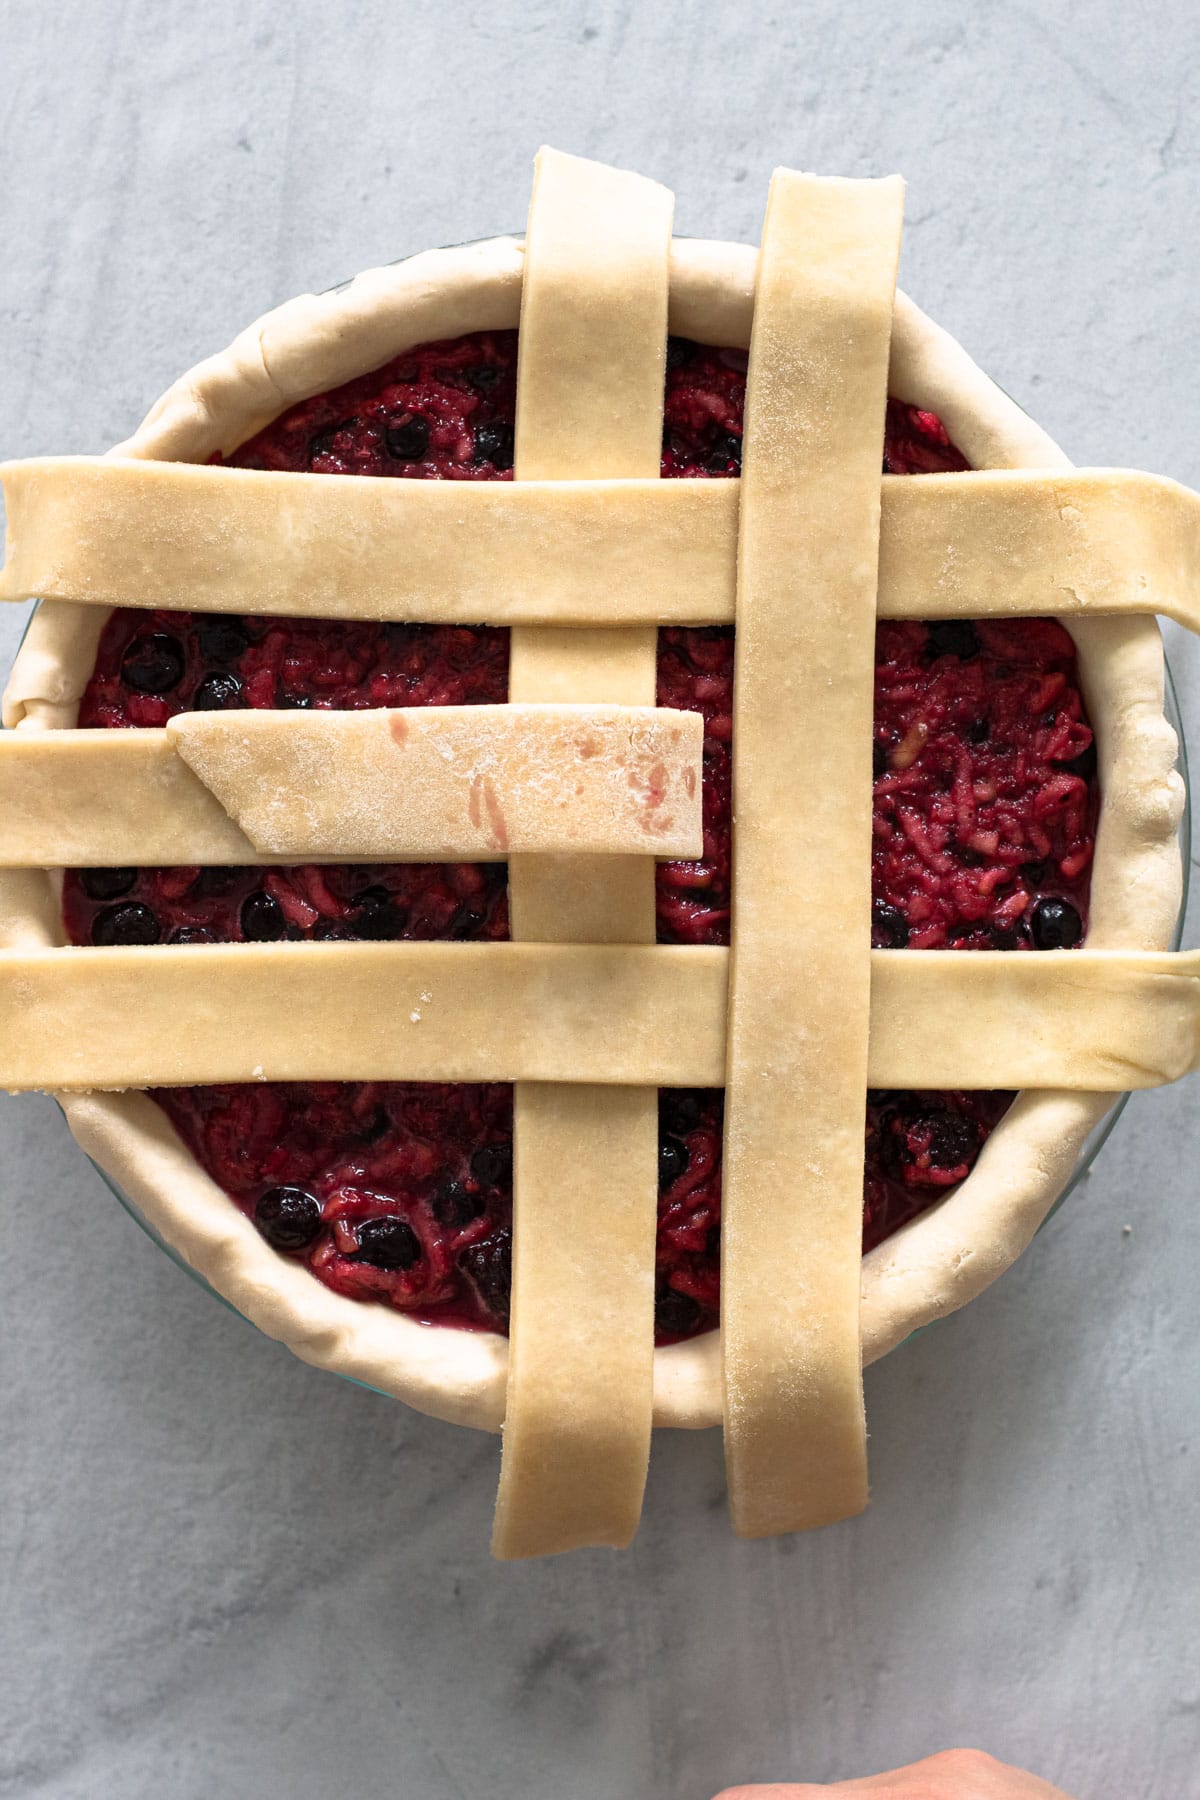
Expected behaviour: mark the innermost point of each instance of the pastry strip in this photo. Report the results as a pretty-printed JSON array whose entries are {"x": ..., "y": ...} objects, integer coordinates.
[
  {"x": 634, "y": 1015},
  {"x": 590, "y": 374},
  {"x": 430, "y": 783},
  {"x": 446, "y": 782},
  {"x": 984, "y": 543},
  {"x": 109, "y": 532},
  {"x": 791, "y": 1209},
  {"x": 1098, "y": 1020},
  {"x": 177, "y": 1015},
  {"x": 1009, "y": 543},
  {"x": 105, "y": 799}
]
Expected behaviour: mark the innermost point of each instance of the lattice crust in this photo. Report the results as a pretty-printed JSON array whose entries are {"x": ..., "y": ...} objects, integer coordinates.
[{"x": 584, "y": 555}]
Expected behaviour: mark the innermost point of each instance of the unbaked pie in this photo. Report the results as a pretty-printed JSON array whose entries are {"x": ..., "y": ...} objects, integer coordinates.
[{"x": 414, "y": 989}]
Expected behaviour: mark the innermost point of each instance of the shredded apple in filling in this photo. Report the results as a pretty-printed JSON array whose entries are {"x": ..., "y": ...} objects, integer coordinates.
[{"x": 985, "y": 806}]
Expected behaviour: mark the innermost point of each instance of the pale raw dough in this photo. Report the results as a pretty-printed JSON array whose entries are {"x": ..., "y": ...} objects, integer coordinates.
[
  {"x": 799, "y": 996},
  {"x": 930, "y": 1268},
  {"x": 1008, "y": 543},
  {"x": 104, "y": 531},
  {"x": 404, "y": 1011},
  {"x": 636, "y": 1015},
  {"x": 108, "y": 799},
  {"x": 580, "y": 1363},
  {"x": 450, "y": 782},
  {"x": 1068, "y": 1018},
  {"x": 420, "y": 783},
  {"x": 590, "y": 371},
  {"x": 99, "y": 531}
]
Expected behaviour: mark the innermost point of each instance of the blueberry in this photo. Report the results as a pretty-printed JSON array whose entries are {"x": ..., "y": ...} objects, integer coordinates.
[
  {"x": 979, "y": 731},
  {"x": 261, "y": 918},
  {"x": 130, "y": 923},
  {"x": 295, "y": 702},
  {"x": 327, "y": 931},
  {"x": 288, "y": 1217},
  {"x": 953, "y": 637},
  {"x": 485, "y": 376},
  {"x": 492, "y": 1165},
  {"x": 217, "y": 692},
  {"x": 494, "y": 444},
  {"x": 322, "y": 443},
  {"x": 378, "y": 915},
  {"x": 488, "y": 1267},
  {"x": 675, "y": 1314},
  {"x": 879, "y": 761},
  {"x": 153, "y": 664},
  {"x": 407, "y": 438},
  {"x": 106, "y": 884},
  {"x": 466, "y": 922},
  {"x": 388, "y": 1244},
  {"x": 191, "y": 934},
  {"x": 215, "y": 882},
  {"x": 672, "y": 1161},
  {"x": 222, "y": 638},
  {"x": 889, "y": 927},
  {"x": 680, "y": 350},
  {"x": 1055, "y": 925},
  {"x": 452, "y": 1205},
  {"x": 726, "y": 448},
  {"x": 953, "y": 1140},
  {"x": 679, "y": 1110},
  {"x": 375, "y": 895}
]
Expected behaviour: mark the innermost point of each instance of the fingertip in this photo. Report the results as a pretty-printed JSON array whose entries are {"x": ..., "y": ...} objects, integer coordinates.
[{"x": 772, "y": 1790}]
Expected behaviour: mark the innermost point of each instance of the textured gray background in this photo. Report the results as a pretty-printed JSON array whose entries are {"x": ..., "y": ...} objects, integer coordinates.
[{"x": 226, "y": 1573}]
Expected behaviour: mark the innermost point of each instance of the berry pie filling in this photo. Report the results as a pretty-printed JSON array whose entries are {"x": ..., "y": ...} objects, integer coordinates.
[{"x": 985, "y": 807}]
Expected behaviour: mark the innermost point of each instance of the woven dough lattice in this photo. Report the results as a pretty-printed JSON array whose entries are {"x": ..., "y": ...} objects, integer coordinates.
[{"x": 580, "y": 781}]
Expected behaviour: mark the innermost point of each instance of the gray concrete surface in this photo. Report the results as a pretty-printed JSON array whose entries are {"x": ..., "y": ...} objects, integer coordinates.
[{"x": 227, "y": 1574}]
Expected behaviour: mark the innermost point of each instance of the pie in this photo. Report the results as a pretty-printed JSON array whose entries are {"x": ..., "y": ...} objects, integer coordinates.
[{"x": 369, "y": 894}]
